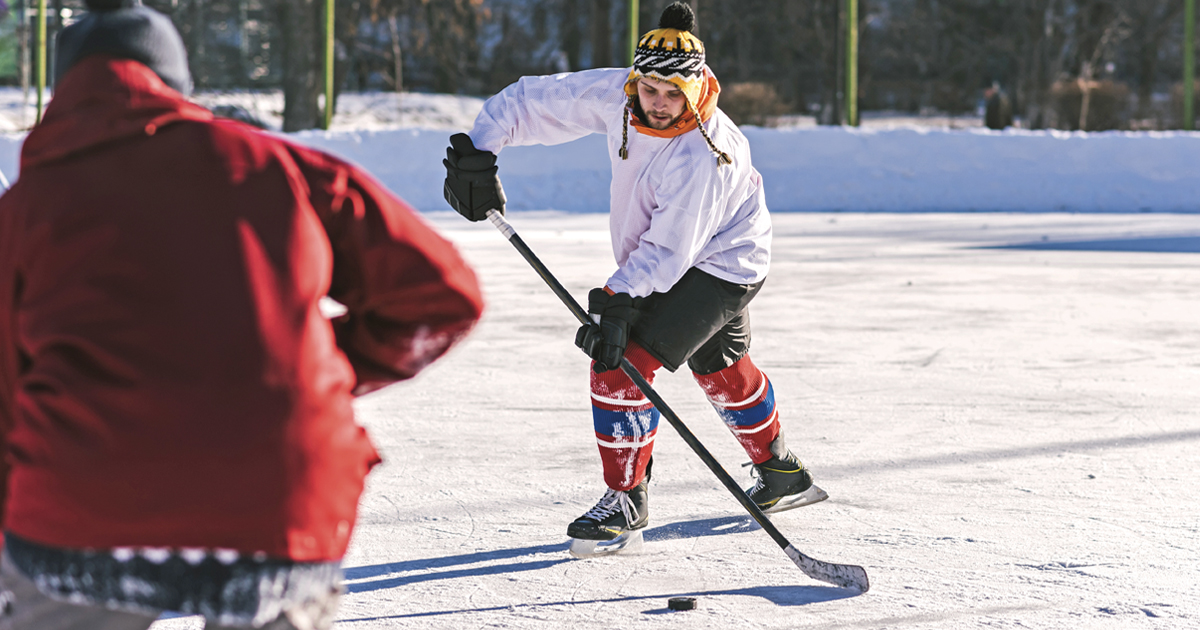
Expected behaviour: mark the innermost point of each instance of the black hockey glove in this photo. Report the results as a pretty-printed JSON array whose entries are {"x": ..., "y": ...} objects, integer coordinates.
[
  {"x": 606, "y": 342},
  {"x": 472, "y": 185}
]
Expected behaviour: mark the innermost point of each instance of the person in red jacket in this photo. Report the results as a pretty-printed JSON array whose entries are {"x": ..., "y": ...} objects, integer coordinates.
[{"x": 174, "y": 407}]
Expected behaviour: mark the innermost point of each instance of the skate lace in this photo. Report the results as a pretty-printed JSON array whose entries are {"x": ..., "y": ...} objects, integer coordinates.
[
  {"x": 759, "y": 484},
  {"x": 609, "y": 504}
]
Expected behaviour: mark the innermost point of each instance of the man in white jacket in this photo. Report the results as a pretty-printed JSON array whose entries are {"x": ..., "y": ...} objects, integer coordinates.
[{"x": 691, "y": 235}]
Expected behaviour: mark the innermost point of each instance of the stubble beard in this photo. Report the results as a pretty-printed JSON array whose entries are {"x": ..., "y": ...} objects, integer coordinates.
[{"x": 659, "y": 124}]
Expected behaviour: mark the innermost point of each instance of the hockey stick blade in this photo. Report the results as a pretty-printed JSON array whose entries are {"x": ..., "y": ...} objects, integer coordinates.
[{"x": 843, "y": 575}]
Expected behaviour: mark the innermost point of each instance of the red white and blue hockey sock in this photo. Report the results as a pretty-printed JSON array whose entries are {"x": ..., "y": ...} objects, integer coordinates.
[
  {"x": 625, "y": 421},
  {"x": 745, "y": 400}
]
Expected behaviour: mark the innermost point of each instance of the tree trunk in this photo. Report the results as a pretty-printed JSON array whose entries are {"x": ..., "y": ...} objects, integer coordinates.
[
  {"x": 243, "y": 79},
  {"x": 601, "y": 33},
  {"x": 1085, "y": 91},
  {"x": 198, "y": 54},
  {"x": 55, "y": 19},
  {"x": 744, "y": 35},
  {"x": 301, "y": 64},
  {"x": 451, "y": 39},
  {"x": 571, "y": 33},
  {"x": 397, "y": 59}
]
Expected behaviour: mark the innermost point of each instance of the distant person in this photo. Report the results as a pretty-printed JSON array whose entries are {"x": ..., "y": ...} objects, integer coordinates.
[
  {"x": 998, "y": 111},
  {"x": 174, "y": 407},
  {"x": 692, "y": 238}
]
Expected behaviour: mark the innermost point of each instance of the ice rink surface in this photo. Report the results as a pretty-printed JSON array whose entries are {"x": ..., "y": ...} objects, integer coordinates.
[{"x": 1003, "y": 408}]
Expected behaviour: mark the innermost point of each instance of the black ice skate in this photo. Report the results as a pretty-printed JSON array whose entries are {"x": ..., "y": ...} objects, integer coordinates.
[
  {"x": 783, "y": 483},
  {"x": 617, "y": 521}
]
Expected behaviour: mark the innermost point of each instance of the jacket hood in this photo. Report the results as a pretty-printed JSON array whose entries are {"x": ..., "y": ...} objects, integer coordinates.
[{"x": 103, "y": 99}]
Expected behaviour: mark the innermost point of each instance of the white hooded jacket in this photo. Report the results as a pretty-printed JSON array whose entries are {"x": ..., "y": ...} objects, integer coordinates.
[{"x": 672, "y": 207}]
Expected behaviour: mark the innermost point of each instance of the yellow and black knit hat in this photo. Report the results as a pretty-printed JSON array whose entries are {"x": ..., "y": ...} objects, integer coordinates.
[{"x": 671, "y": 53}]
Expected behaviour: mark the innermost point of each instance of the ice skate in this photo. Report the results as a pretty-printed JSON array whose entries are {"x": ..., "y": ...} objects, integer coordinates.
[
  {"x": 782, "y": 483},
  {"x": 613, "y": 525}
]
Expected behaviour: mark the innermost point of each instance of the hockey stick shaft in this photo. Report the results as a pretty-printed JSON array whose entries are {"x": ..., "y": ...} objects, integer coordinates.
[{"x": 813, "y": 568}]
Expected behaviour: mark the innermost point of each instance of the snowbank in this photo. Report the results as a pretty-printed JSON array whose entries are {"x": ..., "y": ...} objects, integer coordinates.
[
  {"x": 828, "y": 169},
  {"x": 914, "y": 170}
]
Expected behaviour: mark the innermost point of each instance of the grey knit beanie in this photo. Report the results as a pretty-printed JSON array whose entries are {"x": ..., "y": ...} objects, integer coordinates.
[{"x": 127, "y": 30}]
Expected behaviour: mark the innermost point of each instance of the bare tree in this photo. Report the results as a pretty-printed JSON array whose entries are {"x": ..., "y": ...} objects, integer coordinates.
[
  {"x": 602, "y": 33},
  {"x": 301, "y": 67}
]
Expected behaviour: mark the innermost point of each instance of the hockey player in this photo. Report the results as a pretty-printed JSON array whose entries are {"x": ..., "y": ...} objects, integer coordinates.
[
  {"x": 175, "y": 410},
  {"x": 691, "y": 235}
]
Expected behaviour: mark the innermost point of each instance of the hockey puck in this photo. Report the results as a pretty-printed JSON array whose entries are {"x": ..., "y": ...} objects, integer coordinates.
[{"x": 681, "y": 603}]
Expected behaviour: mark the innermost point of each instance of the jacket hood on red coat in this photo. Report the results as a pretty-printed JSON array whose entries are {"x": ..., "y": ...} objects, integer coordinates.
[{"x": 100, "y": 100}]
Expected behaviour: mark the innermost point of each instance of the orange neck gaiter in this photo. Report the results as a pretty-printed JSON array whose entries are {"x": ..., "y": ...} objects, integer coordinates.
[{"x": 687, "y": 122}]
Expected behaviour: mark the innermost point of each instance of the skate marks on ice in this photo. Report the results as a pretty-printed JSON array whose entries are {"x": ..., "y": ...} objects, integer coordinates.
[
  {"x": 403, "y": 573},
  {"x": 715, "y": 526},
  {"x": 1172, "y": 244},
  {"x": 777, "y": 595},
  {"x": 633, "y": 542},
  {"x": 407, "y": 572},
  {"x": 1048, "y": 449},
  {"x": 846, "y": 576}
]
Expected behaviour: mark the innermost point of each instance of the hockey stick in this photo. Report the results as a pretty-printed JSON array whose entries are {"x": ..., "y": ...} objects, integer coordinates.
[{"x": 844, "y": 575}]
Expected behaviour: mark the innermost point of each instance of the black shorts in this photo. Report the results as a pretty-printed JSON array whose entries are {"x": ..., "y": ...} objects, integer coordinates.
[{"x": 702, "y": 320}]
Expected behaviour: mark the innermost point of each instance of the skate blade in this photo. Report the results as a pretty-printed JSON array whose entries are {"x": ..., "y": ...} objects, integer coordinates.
[
  {"x": 793, "y": 501},
  {"x": 627, "y": 542}
]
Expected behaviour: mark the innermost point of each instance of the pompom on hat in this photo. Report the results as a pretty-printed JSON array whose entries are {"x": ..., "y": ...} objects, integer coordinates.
[{"x": 672, "y": 53}]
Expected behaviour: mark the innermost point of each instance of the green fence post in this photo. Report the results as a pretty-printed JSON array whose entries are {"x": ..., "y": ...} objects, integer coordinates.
[
  {"x": 1189, "y": 65},
  {"x": 41, "y": 55},
  {"x": 328, "y": 64},
  {"x": 851, "y": 94},
  {"x": 633, "y": 28}
]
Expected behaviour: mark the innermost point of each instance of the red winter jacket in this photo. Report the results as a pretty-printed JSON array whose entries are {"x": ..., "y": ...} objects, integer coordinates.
[{"x": 166, "y": 377}]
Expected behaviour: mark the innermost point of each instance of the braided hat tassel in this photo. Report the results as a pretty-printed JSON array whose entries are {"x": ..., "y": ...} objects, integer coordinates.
[
  {"x": 624, "y": 152},
  {"x": 722, "y": 157}
]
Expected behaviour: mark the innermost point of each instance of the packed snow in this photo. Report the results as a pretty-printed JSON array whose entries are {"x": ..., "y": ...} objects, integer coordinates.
[{"x": 1001, "y": 405}]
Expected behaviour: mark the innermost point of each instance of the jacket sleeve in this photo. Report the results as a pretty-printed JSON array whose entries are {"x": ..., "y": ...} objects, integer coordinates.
[
  {"x": 409, "y": 295},
  {"x": 550, "y": 109},
  {"x": 10, "y": 231}
]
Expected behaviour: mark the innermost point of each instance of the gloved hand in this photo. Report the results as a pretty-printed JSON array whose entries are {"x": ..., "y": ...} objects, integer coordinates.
[
  {"x": 606, "y": 342},
  {"x": 472, "y": 185}
]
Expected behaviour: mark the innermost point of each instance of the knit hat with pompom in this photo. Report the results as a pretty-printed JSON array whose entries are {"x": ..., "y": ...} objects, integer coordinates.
[
  {"x": 672, "y": 53},
  {"x": 127, "y": 30}
]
